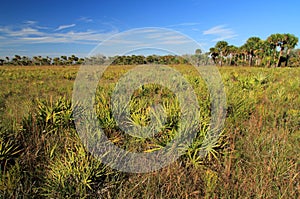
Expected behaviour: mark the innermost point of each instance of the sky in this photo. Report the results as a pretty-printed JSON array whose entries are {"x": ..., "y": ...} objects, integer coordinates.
[{"x": 55, "y": 28}]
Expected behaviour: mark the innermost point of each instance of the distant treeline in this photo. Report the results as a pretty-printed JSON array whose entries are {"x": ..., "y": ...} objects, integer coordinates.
[
  {"x": 277, "y": 50},
  {"x": 18, "y": 60}
]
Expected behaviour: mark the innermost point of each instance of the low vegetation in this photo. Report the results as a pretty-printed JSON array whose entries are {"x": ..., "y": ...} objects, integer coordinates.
[{"x": 257, "y": 155}]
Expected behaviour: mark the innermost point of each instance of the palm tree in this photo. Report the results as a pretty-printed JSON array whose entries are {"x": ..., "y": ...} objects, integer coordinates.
[
  {"x": 17, "y": 60},
  {"x": 232, "y": 51},
  {"x": 222, "y": 48},
  {"x": 259, "y": 52},
  {"x": 214, "y": 54},
  {"x": 198, "y": 51},
  {"x": 64, "y": 59},
  {"x": 290, "y": 41},
  {"x": 285, "y": 42},
  {"x": 37, "y": 60},
  {"x": 274, "y": 41},
  {"x": 56, "y": 61},
  {"x": 80, "y": 61},
  {"x": 251, "y": 47},
  {"x": 7, "y": 60},
  {"x": 26, "y": 61},
  {"x": 76, "y": 59}
]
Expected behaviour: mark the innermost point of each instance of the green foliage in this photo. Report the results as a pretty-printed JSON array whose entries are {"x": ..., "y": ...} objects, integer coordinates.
[
  {"x": 8, "y": 151},
  {"x": 53, "y": 115},
  {"x": 74, "y": 174}
]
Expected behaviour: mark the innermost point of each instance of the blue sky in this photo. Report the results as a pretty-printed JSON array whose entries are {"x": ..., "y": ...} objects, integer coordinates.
[{"x": 57, "y": 28}]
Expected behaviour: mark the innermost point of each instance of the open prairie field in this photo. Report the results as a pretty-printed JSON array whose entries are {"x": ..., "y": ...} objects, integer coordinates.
[{"x": 256, "y": 156}]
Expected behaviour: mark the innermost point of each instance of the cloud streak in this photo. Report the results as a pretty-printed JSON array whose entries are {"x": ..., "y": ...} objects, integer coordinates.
[
  {"x": 62, "y": 27},
  {"x": 85, "y": 19},
  {"x": 30, "y": 22},
  {"x": 221, "y": 32}
]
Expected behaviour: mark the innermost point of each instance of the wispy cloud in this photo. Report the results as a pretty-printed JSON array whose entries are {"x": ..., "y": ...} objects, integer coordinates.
[
  {"x": 127, "y": 41},
  {"x": 31, "y": 35},
  {"x": 152, "y": 39},
  {"x": 160, "y": 36},
  {"x": 30, "y": 22},
  {"x": 29, "y": 32},
  {"x": 25, "y": 32},
  {"x": 33, "y": 24},
  {"x": 85, "y": 19},
  {"x": 65, "y": 26},
  {"x": 9, "y": 33},
  {"x": 221, "y": 32}
]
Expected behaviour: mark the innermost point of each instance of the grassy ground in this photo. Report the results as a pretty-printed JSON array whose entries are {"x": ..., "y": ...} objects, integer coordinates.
[{"x": 257, "y": 155}]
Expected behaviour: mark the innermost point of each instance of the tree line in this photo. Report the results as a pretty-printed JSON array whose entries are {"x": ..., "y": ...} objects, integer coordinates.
[
  {"x": 18, "y": 60},
  {"x": 277, "y": 50}
]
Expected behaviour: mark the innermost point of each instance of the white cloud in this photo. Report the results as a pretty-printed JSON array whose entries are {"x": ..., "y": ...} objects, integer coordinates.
[
  {"x": 138, "y": 38},
  {"x": 65, "y": 26},
  {"x": 151, "y": 39},
  {"x": 30, "y": 22},
  {"x": 29, "y": 35},
  {"x": 35, "y": 38},
  {"x": 221, "y": 32},
  {"x": 8, "y": 32},
  {"x": 29, "y": 32},
  {"x": 88, "y": 37},
  {"x": 142, "y": 37},
  {"x": 25, "y": 32},
  {"x": 85, "y": 19}
]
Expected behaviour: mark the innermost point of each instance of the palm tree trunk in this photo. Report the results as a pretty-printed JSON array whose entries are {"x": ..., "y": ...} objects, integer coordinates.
[
  {"x": 230, "y": 60},
  {"x": 280, "y": 57},
  {"x": 250, "y": 60},
  {"x": 221, "y": 56},
  {"x": 287, "y": 57}
]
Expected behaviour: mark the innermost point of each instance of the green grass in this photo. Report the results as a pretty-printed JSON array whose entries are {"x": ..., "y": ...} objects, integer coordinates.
[{"x": 257, "y": 155}]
